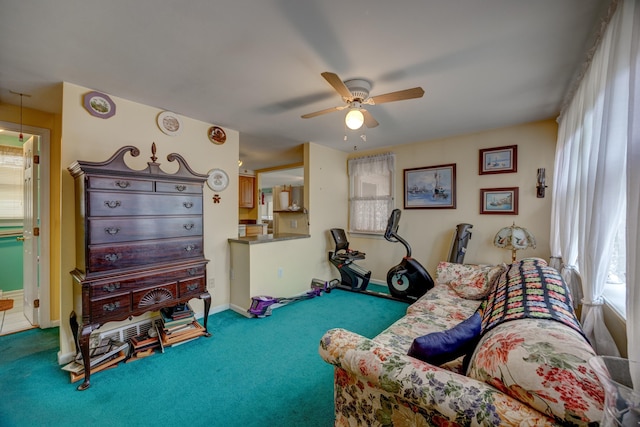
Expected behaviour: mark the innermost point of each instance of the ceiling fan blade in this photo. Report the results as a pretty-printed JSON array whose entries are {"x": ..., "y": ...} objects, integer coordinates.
[
  {"x": 321, "y": 112},
  {"x": 400, "y": 95},
  {"x": 369, "y": 121},
  {"x": 337, "y": 84}
]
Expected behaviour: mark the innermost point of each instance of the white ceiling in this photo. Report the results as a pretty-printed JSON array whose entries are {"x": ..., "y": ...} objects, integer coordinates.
[{"x": 254, "y": 66}]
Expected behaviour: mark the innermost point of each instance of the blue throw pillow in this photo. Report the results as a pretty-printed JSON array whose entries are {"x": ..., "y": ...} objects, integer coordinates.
[{"x": 441, "y": 347}]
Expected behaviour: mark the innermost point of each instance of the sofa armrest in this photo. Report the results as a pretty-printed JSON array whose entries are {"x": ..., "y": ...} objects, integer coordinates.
[{"x": 392, "y": 384}]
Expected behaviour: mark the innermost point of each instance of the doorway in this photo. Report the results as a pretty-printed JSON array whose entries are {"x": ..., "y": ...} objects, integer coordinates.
[{"x": 24, "y": 228}]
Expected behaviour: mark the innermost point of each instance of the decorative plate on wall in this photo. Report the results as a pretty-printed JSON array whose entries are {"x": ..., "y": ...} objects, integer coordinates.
[
  {"x": 99, "y": 105},
  {"x": 218, "y": 179},
  {"x": 169, "y": 123},
  {"x": 216, "y": 135}
]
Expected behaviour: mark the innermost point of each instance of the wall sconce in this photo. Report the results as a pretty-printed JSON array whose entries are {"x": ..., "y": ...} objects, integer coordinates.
[{"x": 540, "y": 187}]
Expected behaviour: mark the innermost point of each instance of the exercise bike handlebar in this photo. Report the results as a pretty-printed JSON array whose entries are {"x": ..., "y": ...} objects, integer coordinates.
[{"x": 391, "y": 233}]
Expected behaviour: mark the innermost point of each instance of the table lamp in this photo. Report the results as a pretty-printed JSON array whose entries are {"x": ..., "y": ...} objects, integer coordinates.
[{"x": 515, "y": 238}]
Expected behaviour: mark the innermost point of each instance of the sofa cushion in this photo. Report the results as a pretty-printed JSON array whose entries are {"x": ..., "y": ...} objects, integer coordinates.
[
  {"x": 467, "y": 280},
  {"x": 438, "y": 348},
  {"x": 544, "y": 364},
  {"x": 437, "y": 310},
  {"x": 533, "y": 347},
  {"x": 444, "y": 302}
]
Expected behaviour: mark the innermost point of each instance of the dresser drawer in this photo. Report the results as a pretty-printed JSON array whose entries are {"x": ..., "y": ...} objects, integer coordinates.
[
  {"x": 112, "y": 257},
  {"x": 126, "y": 184},
  {"x": 114, "y": 230},
  {"x": 157, "y": 296},
  {"x": 114, "y": 306},
  {"x": 178, "y": 187},
  {"x": 115, "y": 286},
  {"x": 191, "y": 287},
  {"x": 102, "y": 203}
]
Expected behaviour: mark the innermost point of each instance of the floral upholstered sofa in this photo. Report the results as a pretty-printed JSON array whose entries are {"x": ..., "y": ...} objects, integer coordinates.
[{"x": 528, "y": 365}]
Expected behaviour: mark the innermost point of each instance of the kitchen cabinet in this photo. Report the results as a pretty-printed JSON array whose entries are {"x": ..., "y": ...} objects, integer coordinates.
[{"x": 246, "y": 191}]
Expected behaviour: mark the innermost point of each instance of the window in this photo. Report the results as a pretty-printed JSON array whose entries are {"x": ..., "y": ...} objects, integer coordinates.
[
  {"x": 11, "y": 166},
  {"x": 615, "y": 289},
  {"x": 371, "y": 193}
]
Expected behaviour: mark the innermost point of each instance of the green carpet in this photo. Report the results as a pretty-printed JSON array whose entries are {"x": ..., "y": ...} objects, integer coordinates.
[{"x": 251, "y": 372}]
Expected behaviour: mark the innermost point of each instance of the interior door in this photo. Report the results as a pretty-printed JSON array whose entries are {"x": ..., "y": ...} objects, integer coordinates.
[{"x": 31, "y": 232}]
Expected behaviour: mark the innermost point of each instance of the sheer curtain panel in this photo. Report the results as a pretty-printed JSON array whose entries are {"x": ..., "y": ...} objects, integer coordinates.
[
  {"x": 589, "y": 194},
  {"x": 371, "y": 192},
  {"x": 633, "y": 201}
]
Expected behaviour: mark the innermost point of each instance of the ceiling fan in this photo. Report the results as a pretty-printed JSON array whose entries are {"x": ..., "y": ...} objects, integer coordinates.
[{"x": 355, "y": 94}]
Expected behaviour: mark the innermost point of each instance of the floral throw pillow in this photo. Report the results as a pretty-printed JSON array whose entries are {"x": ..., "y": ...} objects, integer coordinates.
[{"x": 469, "y": 281}]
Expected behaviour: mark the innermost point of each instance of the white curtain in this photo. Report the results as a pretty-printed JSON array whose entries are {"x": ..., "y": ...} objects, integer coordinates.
[
  {"x": 633, "y": 204},
  {"x": 371, "y": 192},
  {"x": 589, "y": 190}
]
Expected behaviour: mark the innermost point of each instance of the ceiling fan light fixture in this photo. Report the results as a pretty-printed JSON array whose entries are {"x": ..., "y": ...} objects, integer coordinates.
[{"x": 354, "y": 119}]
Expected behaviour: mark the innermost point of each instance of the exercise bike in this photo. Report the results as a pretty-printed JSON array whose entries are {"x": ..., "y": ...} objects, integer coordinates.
[{"x": 408, "y": 280}]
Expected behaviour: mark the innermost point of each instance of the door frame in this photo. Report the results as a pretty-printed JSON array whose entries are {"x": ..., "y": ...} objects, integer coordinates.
[{"x": 44, "y": 272}]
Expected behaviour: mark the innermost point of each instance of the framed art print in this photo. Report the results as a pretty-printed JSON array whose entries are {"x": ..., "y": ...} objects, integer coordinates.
[
  {"x": 501, "y": 201},
  {"x": 499, "y": 160},
  {"x": 431, "y": 187}
]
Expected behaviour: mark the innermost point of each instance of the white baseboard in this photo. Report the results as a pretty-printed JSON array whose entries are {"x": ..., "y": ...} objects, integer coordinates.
[
  {"x": 240, "y": 310},
  {"x": 64, "y": 358}
]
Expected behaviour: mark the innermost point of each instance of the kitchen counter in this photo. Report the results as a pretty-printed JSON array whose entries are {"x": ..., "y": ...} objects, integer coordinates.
[
  {"x": 272, "y": 269},
  {"x": 268, "y": 238}
]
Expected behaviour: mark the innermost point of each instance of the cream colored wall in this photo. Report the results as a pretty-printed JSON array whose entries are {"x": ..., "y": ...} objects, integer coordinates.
[
  {"x": 301, "y": 260},
  {"x": 430, "y": 231},
  {"x": 327, "y": 196},
  {"x": 85, "y": 137}
]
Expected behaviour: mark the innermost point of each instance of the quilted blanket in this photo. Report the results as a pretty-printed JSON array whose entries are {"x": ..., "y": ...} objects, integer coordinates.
[{"x": 531, "y": 290}]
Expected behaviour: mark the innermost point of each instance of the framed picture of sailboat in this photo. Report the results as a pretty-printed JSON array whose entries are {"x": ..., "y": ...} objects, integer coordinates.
[
  {"x": 498, "y": 160},
  {"x": 431, "y": 187},
  {"x": 501, "y": 201}
]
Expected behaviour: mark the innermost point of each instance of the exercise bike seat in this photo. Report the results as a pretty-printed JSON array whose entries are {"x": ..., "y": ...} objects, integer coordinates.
[{"x": 342, "y": 244}]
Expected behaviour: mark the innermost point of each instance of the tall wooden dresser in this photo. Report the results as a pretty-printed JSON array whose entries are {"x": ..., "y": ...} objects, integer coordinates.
[{"x": 139, "y": 242}]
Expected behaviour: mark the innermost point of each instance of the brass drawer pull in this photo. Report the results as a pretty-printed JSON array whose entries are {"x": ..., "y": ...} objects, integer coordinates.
[
  {"x": 188, "y": 226},
  {"x": 188, "y": 205},
  {"x": 192, "y": 287},
  {"x": 123, "y": 184},
  {"x": 181, "y": 187},
  {"x": 192, "y": 271},
  {"x": 189, "y": 248},
  {"x": 111, "y": 306},
  {"x": 112, "y": 203},
  {"x": 112, "y": 257},
  {"x": 111, "y": 287},
  {"x": 112, "y": 230}
]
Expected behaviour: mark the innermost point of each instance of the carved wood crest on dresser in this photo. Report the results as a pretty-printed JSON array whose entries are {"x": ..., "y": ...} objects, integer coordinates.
[{"x": 139, "y": 242}]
